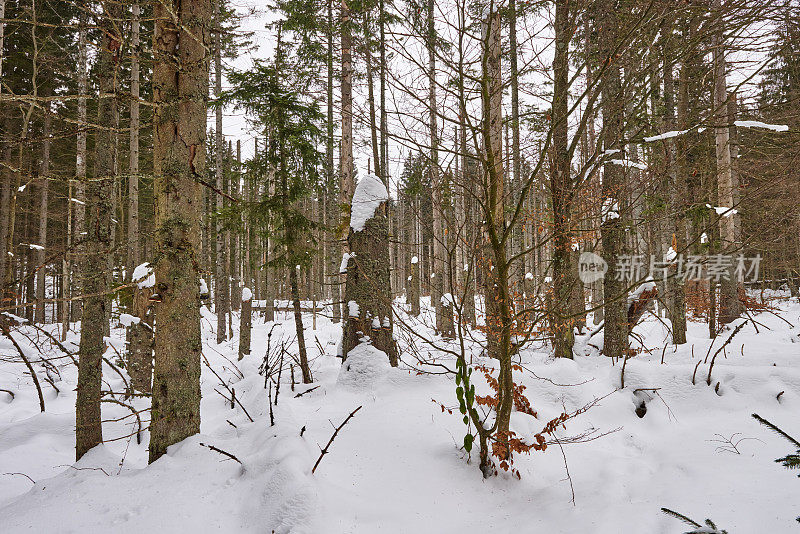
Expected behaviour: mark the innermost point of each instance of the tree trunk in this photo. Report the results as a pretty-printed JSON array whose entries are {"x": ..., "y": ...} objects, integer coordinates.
[
  {"x": 236, "y": 282},
  {"x": 133, "y": 153},
  {"x": 88, "y": 427},
  {"x": 729, "y": 305},
  {"x": 221, "y": 282},
  {"x": 44, "y": 188},
  {"x": 246, "y": 323},
  {"x": 677, "y": 190},
  {"x": 180, "y": 88},
  {"x": 443, "y": 306},
  {"x": 79, "y": 224},
  {"x": 346, "y": 183},
  {"x": 334, "y": 206},
  {"x": 612, "y": 229},
  {"x": 367, "y": 292},
  {"x": 140, "y": 342},
  {"x": 561, "y": 189}
]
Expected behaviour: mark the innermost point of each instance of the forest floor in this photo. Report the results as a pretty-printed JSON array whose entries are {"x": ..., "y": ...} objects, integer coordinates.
[{"x": 397, "y": 465}]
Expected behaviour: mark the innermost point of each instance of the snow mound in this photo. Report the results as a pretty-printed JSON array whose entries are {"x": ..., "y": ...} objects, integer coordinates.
[
  {"x": 364, "y": 368},
  {"x": 370, "y": 193}
]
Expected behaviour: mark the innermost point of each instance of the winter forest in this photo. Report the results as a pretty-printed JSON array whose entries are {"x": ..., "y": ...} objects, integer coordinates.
[{"x": 434, "y": 266}]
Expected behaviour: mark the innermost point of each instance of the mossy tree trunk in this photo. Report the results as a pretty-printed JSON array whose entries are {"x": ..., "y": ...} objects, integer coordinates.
[
  {"x": 88, "y": 426},
  {"x": 180, "y": 89},
  {"x": 367, "y": 291}
]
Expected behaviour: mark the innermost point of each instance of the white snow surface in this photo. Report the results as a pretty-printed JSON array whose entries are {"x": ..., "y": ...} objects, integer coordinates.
[
  {"x": 365, "y": 368},
  {"x": 397, "y": 466},
  {"x": 369, "y": 194}
]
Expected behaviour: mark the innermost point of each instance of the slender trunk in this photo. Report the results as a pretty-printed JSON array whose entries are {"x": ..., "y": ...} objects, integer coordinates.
[
  {"x": 133, "y": 152},
  {"x": 346, "y": 179},
  {"x": 729, "y": 305},
  {"x": 334, "y": 208},
  {"x": 245, "y": 324},
  {"x": 561, "y": 190},
  {"x": 221, "y": 282},
  {"x": 612, "y": 228},
  {"x": 373, "y": 126},
  {"x": 677, "y": 190},
  {"x": 180, "y": 89},
  {"x": 442, "y": 305},
  {"x": 236, "y": 282},
  {"x": 80, "y": 163},
  {"x": 496, "y": 295},
  {"x": 44, "y": 188},
  {"x": 88, "y": 427}
]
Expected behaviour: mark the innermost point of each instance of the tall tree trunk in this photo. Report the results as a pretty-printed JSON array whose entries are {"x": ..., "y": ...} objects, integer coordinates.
[
  {"x": 88, "y": 427},
  {"x": 334, "y": 208},
  {"x": 729, "y": 305},
  {"x": 443, "y": 306},
  {"x": 44, "y": 188},
  {"x": 221, "y": 282},
  {"x": 133, "y": 152},
  {"x": 677, "y": 195},
  {"x": 79, "y": 225},
  {"x": 180, "y": 88},
  {"x": 236, "y": 282},
  {"x": 612, "y": 229},
  {"x": 346, "y": 183},
  {"x": 496, "y": 294},
  {"x": 562, "y": 194}
]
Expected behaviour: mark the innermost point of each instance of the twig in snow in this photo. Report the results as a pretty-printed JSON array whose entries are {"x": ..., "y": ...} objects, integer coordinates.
[
  {"x": 12, "y": 393},
  {"x": 22, "y": 475},
  {"x": 205, "y": 360},
  {"x": 324, "y": 451},
  {"x": 566, "y": 468},
  {"x": 7, "y": 333},
  {"x": 224, "y": 453},
  {"x": 306, "y": 391},
  {"x": 271, "y": 416},
  {"x": 735, "y": 331}
]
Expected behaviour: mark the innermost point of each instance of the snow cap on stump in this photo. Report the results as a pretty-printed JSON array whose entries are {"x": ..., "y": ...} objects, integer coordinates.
[{"x": 370, "y": 192}]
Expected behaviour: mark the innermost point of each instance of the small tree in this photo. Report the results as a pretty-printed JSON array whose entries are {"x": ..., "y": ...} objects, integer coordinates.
[{"x": 290, "y": 121}]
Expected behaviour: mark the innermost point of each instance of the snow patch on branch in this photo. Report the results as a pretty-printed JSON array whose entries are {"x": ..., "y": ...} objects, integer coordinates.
[{"x": 759, "y": 124}]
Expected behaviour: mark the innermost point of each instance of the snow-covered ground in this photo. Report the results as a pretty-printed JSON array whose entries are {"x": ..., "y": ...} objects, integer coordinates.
[{"x": 397, "y": 465}]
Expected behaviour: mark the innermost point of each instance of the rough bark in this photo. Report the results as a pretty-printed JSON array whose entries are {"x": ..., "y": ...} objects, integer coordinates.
[
  {"x": 180, "y": 89},
  {"x": 561, "y": 192},
  {"x": 245, "y": 325},
  {"x": 133, "y": 152},
  {"x": 140, "y": 341},
  {"x": 367, "y": 291},
  {"x": 612, "y": 229},
  {"x": 88, "y": 428}
]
